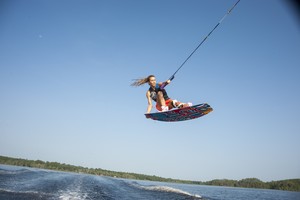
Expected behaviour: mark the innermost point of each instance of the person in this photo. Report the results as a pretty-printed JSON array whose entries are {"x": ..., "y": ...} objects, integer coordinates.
[{"x": 157, "y": 93}]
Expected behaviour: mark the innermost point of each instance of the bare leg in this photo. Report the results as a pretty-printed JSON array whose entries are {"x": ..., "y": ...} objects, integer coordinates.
[{"x": 160, "y": 99}]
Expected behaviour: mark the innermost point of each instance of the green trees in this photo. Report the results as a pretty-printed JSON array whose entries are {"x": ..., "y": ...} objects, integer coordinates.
[
  {"x": 291, "y": 185},
  {"x": 251, "y": 183}
]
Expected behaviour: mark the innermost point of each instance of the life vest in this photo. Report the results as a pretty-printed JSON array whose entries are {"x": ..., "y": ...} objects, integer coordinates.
[{"x": 153, "y": 93}]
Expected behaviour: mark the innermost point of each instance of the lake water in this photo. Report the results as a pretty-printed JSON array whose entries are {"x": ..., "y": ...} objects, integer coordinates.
[{"x": 30, "y": 184}]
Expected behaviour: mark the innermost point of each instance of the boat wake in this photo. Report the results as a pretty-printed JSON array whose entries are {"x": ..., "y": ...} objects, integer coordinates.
[
  {"x": 166, "y": 189},
  {"x": 27, "y": 184}
]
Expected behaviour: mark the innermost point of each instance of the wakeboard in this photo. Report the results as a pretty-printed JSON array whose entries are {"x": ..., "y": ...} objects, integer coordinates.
[{"x": 181, "y": 114}]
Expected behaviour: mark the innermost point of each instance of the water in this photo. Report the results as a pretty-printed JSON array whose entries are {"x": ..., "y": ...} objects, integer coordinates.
[{"x": 30, "y": 184}]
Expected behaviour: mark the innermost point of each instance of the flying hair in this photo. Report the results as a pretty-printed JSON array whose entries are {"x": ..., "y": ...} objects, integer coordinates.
[{"x": 141, "y": 81}]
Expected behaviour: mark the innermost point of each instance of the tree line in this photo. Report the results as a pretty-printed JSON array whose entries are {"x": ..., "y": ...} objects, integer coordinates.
[{"x": 290, "y": 185}]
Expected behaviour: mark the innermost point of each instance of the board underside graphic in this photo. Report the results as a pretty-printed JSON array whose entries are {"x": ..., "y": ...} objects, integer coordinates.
[{"x": 181, "y": 114}]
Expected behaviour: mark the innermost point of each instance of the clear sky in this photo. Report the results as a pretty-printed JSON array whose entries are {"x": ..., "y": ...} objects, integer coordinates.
[{"x": 65, "y": 95}]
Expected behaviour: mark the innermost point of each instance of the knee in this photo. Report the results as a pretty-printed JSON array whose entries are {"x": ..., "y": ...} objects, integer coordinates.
[{"x": 160, "y": 94}]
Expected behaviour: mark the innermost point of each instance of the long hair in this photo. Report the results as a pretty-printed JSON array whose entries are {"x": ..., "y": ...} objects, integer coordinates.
[{"x": 141, "y": 81}]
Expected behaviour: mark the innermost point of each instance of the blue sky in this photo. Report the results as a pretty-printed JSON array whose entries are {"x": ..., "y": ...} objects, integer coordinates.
[{"x": 65, "y": 95}]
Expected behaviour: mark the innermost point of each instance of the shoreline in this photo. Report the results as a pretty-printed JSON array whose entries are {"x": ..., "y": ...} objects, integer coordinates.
[{"x": 287, "y": 185}]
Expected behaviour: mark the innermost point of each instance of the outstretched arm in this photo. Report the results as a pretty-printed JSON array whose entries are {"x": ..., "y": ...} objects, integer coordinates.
[{"x": 164, "y": 84}]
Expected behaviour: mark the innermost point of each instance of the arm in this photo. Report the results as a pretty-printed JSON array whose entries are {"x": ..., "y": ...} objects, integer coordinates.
[
  {"x": 164, "y": 84},
  {"x": 149, "y": 102}
]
